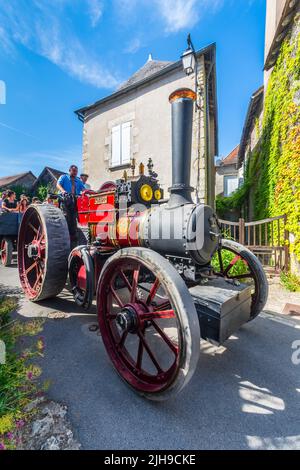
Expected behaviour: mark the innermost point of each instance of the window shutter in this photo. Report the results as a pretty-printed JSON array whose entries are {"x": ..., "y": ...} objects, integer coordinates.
[
  {"x": 126, "y": 142},
  {"x": 231, "y": 184},
  {"x": 116, "y": 146}
]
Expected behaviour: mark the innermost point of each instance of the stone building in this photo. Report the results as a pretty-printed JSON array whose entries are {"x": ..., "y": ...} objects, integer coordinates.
[
  {"x": 24, "y": 180},
  {"x": 281, "y": 22},
  {"x": 269, "y": 151},
  {"x": 227, "y": 174},
  {"x": 48, "y": 178},
  {"x": 30, "y": 183},
  {"x": 134, "y": 124}
]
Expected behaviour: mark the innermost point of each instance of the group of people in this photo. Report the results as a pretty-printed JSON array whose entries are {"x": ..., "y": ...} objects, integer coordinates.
[
  {"x": 9, "y": 202},
  {"x": 68, "y": 183}
]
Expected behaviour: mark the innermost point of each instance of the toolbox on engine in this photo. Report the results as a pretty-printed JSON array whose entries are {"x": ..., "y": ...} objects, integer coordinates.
[{"x": 222, "y": 307}]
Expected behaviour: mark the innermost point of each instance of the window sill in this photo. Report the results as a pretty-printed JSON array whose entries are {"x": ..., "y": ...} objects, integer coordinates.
[{"x": 120, "y": 167}]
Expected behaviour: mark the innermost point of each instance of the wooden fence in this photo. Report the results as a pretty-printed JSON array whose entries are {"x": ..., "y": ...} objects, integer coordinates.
[{"x": 268, "y": 239}]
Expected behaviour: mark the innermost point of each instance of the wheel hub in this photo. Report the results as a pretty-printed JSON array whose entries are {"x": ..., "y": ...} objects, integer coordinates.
[
  {"x": 33, "y": 251},
  {"x": 127, "y": 320}
]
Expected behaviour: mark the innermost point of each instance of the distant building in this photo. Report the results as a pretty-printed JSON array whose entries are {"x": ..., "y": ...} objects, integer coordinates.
[
  {"x": 29, "y": 182},
  {"x": 26, "y": 180},
  {"x": 134, "y": 124},
  {"x": 250, "y": 140},
  {"x": 227, "y": 174},
  {"x": 48, "y": 177}
]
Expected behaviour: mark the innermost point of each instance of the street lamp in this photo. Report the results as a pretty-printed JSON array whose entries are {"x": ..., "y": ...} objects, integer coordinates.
[
  {"x": 189, "y": 60},
  {"x": 190, "y": 65}
]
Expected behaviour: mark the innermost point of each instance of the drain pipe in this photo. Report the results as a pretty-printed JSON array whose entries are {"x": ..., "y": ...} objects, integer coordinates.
[{"x": 207, "y": 132}]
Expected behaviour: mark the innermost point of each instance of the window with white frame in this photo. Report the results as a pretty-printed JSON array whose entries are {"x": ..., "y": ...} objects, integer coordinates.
[
  {"x": 231, "y": 184},
  {"x": 120, "y": 144}
]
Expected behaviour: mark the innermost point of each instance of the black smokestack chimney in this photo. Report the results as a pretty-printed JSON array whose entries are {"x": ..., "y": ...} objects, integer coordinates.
[{"x": 182, "y": 127}]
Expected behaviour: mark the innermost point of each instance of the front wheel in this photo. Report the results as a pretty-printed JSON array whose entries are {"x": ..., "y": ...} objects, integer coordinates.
[
  {"x": 148, "y": 322},
  {"x": 81, "y": 276}
]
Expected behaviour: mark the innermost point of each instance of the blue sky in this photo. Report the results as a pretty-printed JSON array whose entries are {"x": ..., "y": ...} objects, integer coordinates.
[{"x": 59, "y": 55}]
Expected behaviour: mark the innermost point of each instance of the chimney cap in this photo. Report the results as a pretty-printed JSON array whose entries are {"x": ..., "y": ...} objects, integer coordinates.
[{"x": 183, "y": 93}]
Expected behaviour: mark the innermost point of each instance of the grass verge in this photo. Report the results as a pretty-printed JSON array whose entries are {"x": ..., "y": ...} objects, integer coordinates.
[
  {"x": 18, "y": 373},
  {"x": 290, "y": 281}
]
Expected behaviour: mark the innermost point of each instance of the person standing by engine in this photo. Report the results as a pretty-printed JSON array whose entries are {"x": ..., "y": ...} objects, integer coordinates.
[
  {"x": 84, "y": 177},
  {"x": 70, "y": 183},
  {"x": 69, "y": 187}
]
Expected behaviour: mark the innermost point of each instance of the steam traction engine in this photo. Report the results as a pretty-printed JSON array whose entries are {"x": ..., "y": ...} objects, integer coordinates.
[{"x": 160, "y": 271}]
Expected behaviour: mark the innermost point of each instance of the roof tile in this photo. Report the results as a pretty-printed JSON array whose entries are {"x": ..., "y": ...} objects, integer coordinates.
[
  {"x": 150, "y": 68},
  {"x": 232, "y": 158},
  {"x": 7, "y": 180}
]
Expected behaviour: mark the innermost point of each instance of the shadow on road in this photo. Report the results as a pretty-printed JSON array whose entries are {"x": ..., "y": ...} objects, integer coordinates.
[
  {"x": 10, "y": 290},
  {"x": 65, "y": 303}
]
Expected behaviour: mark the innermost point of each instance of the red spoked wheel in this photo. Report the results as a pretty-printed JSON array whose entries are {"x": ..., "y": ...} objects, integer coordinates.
[
  {"x": 235, "y": 262},
  {"x": 43, "y": 249},
  {"x": 81, "y": 276},
  {"x": 6, "y": 251},
  {"x": 148, "y": 322}
]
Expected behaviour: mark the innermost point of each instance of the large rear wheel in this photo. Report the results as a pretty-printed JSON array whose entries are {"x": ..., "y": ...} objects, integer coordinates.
[
  {"x": 43, "y": 249},
  {"x": 148, "y": 322}
]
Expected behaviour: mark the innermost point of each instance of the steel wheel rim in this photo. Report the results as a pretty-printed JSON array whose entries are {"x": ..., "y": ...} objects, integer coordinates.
[
  {"x": 225, "y": 270},
  {"x": 146, "y": 317},
  {"x": 3, "y": 252},
  {"x": 33, "y": 254}
]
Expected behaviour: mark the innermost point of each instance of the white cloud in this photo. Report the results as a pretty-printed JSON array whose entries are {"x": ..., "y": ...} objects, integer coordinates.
[
  {"x": 133, "y": 46},
  {"x": 95, "y": 10},
  {"x": 178, "y": 14},
  {"x": 45, "y": 31},
  {"x": 5, "y": 41},
  {"x": 181, "y": 14},
  {"x": 18, "y": 131},
  {"x": 175, "y": 15},
  {"x": 46, "y": 28},
  {"x": 60, "y": 157}
]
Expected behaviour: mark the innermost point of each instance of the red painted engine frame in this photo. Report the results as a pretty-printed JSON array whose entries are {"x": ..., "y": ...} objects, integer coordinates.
[{"x": 98, "y": 212}]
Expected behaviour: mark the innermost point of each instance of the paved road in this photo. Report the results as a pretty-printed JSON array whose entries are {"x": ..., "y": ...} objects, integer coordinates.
[{"x": 246, "y": 396}]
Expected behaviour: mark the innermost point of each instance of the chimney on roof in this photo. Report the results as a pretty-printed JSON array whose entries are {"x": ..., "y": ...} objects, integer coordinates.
[{"x": 150, "y": 58}]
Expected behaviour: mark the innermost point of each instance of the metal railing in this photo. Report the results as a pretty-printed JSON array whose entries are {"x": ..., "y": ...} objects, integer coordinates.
[{"x": 268, "y": 239}]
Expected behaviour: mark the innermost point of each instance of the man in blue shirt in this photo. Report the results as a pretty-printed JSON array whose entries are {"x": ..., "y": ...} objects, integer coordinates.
[
  {"x": 70, "y": 183},
  {"x": 70, "y": 186}
]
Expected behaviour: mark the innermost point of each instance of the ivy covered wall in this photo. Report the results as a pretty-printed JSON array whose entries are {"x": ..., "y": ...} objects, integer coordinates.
[
  {"x": 275, "y": 166},
  {"x": 272, "y": 175}
]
